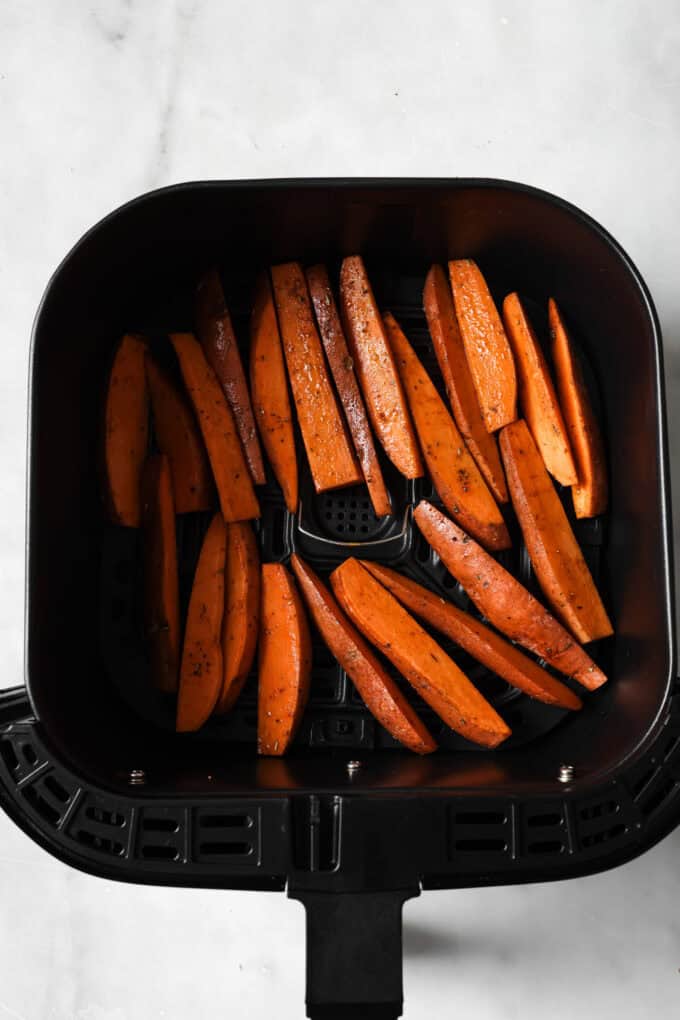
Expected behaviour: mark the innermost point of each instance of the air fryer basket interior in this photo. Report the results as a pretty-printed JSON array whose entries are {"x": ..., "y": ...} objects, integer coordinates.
[{"x": 136, "y": 270}]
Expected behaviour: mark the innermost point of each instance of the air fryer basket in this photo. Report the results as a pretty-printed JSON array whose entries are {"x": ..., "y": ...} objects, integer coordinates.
[{"x": 91, "y": 768}]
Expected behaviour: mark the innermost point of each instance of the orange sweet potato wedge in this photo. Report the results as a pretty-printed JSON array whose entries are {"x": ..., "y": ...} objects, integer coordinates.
[
  {"x": 241, "y": 612},
  {"x": 450, "y": 351},
  {"x": 216, "y": 333},
  {"x": 456, "y": 477},
  {"x": 179, "y": 437},
  {"x": 503, "y": 600},
  {"x": 416, "y": 655},
  {"x": 381, "y": 694},
  {"x": 161, "y": 582},
  {"x": 126, "y": 431},
  {"x": 482, "y": 643},
  {"x": 590, "y": 492},
  {"x": 488, "y": 352},
  {"x": 200, "y": 679},
  {"x": 285, "y": 661},
  {"x": 376, "y": 370},
  {"x": 232, "y": 478},
  {"x": 329, "y": 450},
  {"x": 537, "y": 396},
  {"x": 342, "y": 369},
  {"x": 269, "y": 388},
  {"x": 557, "y": 559}
]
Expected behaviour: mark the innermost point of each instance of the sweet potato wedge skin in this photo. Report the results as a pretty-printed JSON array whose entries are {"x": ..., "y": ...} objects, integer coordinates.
[
  {"x": 161, "y": 581},
  {"x": 557, "y": 559},
  {"x": 329, "y": 450},
  {"x": 460, "y": 389},
  {"x": 216, "y": 333},
  {"x": 486, "y": 346},
  {"x": 456, "y": 477},
  {"x": 200, "y": 679},
  {"x": 179, "y": 437},
  {"x": 590, "y": 493},
  {"x": 241, "y": 621},
  {"x": 230, "y": 471},
  {"x": 342, "y": 370},
  {"x": 126, "y": 431},
  {"x": 380, "y": 693},
  {"x": 416, "y": 655},
  {"x": 537, "y": 396},
  {"x": 269, "y": 389},
  {"x": 503, "y": 600},
  {"x": 480, "y": 641},
  {"x": 376, "y": 371},
  {"x": 285, "y": 661}
]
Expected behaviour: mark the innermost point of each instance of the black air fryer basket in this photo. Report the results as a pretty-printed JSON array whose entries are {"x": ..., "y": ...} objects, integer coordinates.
[{"x": 347, "y": 823}]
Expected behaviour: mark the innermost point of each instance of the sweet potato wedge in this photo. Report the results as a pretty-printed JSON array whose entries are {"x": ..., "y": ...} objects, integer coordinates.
[
  {"x": 557, "y": 559},
  {"x": 590, "y": 492},
  {"x": 329, "y": 450},
  {"x": 342, "y": 369},
  {"x": 126, "y": 431},
  {"x": 487, "y": 349},
  {"x": 537, "y": 396},
  {"x": 377, "y": 373},
  {"x": 241, "y": 612},
  {"x": 161, "y": 582},
  {"x": 216, "y": 333},
  {"x": 285, "y": 661},
  {"x": 455, "y": 475},
  {"x": 200, "y": 679},
  {"x": 381, "y": 694},
  {"x": 232, "y": 478},
  {"x": 503, "y": 600},
  {"x": 460, "y": 389},
  {"x": 179, "y": 437},
  {"x": 416, "y": 655},
  {"x": 476, "y": 639},
  {"x": 269, "y": 389}
]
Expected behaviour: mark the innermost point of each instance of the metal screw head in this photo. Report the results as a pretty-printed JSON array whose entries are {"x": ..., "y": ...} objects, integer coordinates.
[
  {"x": 137, "y": 777},
  {"x": 565, "y": 773},
  {"x": 353, "y": 767}
]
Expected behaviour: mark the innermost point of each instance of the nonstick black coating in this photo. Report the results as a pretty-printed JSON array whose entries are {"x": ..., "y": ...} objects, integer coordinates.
[{"x": 136, "y": 271}]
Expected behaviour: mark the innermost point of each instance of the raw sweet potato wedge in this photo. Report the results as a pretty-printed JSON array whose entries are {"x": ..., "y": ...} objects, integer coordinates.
[
  {"x": 179, "y": 437},
  {"x": 241, "y": 612},
  {"x": 216, "y": 333},
  {"x": 200, "y": 678},
  {"x": 126, "y": 431},
  {"x": 557, "y": 559},
  {"x": 329, "y": 450},
  {"x": 486, "y": 346},
  {"x": 342, "y": 369},
  {"x": 161, "y": 581},
  {"x": 377, "y": 373},
  {"x": 416, "y": 655},
  {"x": 456, "y": 477},
  {"x": 450, "y": 351},
  {"x": 232, "y": 478},
  {"x": 503, "y": 600},
  {"x": 381, "y": 694},
  {"x": 479, "y": 641},
  {"x": 269, "y": 388},
  {"x": 590, "y": 492},
  {"x": 285, "y": 661},
  {"x": 537, "y": 396}
]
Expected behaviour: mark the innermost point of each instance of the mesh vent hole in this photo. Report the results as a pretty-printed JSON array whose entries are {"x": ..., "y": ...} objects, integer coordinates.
[
  {"x": 56, "y": 789},
  {"x": 8, "y": 756},
  {"x": 471, "y": 846},
  {"x": 546, "y": 846},
  {"x": 30, "y": 754},
  {"x": 481, "y": 818},
  {"x": 608, "y": 807},
  {"x": 225, "y": 849},
  {"x": 151, "y": 852},
  {"x": 101, "y": 843},
  {"x": 104, "y": 817},
  {"x": 603, "y": 837},
  {"x": 160, "y": 825},
  {"x": 42, "y": 806},
  {"x": 548, "y": 820},
  {"x": 226, "y": 822}
]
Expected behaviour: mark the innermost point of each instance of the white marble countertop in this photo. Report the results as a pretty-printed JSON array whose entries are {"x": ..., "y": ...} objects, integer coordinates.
[{"x": 104, "y": 100}]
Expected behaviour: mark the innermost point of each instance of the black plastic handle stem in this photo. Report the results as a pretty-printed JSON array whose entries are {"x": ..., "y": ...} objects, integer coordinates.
[{"x": 354, "y": 954}]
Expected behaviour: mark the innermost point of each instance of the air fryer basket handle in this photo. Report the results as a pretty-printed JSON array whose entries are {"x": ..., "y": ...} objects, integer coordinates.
[{"x": 354, "y": 954}]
